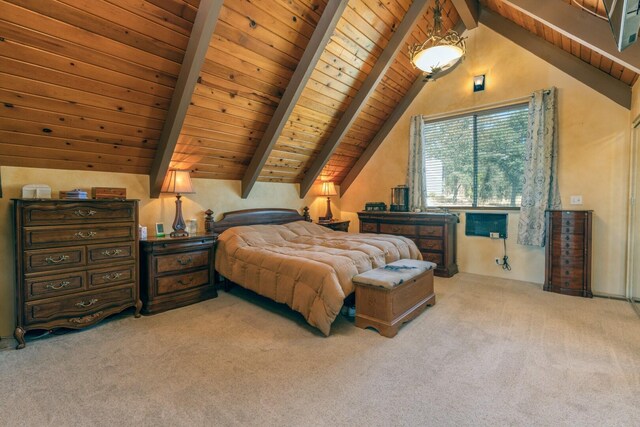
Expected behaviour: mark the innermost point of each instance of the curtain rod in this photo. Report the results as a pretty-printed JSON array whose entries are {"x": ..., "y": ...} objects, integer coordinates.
[{"x": 500, "y": 104}]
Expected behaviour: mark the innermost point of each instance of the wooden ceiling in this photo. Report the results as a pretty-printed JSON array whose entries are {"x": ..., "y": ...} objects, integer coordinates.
[{"x": 90, "y": 84}]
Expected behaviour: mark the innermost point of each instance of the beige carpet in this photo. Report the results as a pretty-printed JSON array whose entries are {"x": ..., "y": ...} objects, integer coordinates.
[{"x": 491, "y": 352}]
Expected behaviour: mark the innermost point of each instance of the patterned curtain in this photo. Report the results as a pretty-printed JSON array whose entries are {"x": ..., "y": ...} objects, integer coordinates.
[
  {"x": 416, "y": 177},
  {"x": 540, "y": 190}
]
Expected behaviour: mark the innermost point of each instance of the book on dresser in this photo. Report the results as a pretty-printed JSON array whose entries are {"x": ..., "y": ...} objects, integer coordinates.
[{"x": 76, "y": 262}]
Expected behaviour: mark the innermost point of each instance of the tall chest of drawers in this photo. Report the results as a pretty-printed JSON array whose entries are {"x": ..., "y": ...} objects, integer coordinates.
[
  {"x": 433, "y": 233},
  {"x": 568, "y": 252},
  {"x": 76, "y": 262}
]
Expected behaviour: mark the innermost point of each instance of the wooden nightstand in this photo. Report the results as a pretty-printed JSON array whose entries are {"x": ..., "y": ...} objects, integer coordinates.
[
  {"x": 176, "y": 271},
  {"x": 336, "y": 225}
]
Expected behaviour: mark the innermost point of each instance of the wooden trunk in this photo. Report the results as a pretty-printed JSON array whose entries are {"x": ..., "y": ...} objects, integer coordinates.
[{"x": 387, "y": 309}]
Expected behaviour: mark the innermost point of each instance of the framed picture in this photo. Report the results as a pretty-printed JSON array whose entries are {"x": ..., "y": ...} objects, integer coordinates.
[{"x": 159, "y": 229}]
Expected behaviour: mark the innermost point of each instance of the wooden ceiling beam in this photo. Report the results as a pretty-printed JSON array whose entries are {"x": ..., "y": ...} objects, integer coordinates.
[
  {"x": 469, "y": 11},
  {"x": 415, "y": 12},
  {"x": 598, "y": 80},
  {"x": 319, "y": 39},
  {"x": 201, "y": 33},
  {"x": 580, "y": 26}
]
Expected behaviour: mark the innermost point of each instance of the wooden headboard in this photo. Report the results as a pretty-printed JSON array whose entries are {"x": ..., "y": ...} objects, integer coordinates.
[{"x": 258, "y": 216}]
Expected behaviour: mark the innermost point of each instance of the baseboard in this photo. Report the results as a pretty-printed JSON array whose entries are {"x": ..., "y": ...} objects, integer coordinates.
[{"x": 610, "y": 296}]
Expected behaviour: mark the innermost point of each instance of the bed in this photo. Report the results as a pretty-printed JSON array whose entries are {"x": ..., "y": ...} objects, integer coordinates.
[{"x": 280, "y": 255}]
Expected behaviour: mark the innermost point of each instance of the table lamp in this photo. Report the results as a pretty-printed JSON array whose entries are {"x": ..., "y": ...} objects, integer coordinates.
[
  {"x": 328, "y": 189},
  {"x": 178, "y": 182}
]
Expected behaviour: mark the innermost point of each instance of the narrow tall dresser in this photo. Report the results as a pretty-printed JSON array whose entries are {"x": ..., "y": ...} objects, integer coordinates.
[
  {"x": 76, "y": 262},
  {"x": 568, "y": 252},
  {"x": 433, "y": 233}
]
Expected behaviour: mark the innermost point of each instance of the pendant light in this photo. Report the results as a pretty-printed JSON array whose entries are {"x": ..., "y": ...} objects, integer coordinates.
[{"x": 439, "y": 52}]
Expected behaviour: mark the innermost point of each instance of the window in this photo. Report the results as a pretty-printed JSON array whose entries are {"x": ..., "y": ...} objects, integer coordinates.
[{"x": 476, "y": 160}]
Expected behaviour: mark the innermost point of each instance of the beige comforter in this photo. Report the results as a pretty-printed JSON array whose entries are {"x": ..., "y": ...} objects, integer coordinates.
[{"x": 304, "y": 265}]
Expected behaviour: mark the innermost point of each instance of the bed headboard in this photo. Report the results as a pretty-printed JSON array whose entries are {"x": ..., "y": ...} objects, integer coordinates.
[{"x": 259, "y": 216}]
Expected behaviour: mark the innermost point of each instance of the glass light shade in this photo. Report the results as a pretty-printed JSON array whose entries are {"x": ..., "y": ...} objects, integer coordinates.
[
  {"x": 177, "y": 182},
  {"x": 328, "y": 189},
  {"x": 437, "y": 58}
]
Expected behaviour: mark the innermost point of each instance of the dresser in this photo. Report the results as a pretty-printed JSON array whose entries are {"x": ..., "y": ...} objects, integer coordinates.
[
  {"x": 176, "y": 271},
  {"x": 568, "y": 252},
  {"x": 76, "y": 262},
  {"x": 433, "y": 233}
]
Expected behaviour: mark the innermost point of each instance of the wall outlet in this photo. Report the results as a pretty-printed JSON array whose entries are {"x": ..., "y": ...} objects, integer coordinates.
[
  {"x": 576, "y": 200},
  {"x": 499, "y": 261}
]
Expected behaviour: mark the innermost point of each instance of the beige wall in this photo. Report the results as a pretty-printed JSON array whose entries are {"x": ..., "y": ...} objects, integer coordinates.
[
  {"x": 217, "y": 195},
  {"x": 594, "y": 147}
]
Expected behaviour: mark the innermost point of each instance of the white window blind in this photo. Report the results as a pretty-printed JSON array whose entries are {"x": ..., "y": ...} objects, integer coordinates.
[{"x": 476, "y": 160}]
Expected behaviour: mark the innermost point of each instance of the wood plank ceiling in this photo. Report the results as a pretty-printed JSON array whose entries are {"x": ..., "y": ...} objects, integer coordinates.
[{"x": 87, "y": 83}]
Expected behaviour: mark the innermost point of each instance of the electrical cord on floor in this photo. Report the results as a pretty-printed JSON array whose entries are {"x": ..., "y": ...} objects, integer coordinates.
[{"x": 505, "y": 258}]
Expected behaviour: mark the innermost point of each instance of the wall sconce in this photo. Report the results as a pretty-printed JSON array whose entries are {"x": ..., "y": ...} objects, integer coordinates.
[{"x": 478, "y": 83}]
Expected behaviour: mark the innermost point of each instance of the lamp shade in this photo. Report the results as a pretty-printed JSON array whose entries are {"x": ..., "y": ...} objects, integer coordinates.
[
  {"x": 437, "y": 58},
  {"x": 177, "y": 181},
  {"x": 328, "y": 189}
]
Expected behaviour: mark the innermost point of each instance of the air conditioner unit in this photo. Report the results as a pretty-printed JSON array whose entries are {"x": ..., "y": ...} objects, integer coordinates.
[{"x": 624, "y": 18}]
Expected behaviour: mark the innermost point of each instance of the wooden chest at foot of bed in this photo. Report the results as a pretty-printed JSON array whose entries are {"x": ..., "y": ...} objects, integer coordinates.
[{"x": 385, "y": 303}]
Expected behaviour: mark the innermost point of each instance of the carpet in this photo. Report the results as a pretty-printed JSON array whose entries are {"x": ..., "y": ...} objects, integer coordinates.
[{"x": 490, "y": 352}]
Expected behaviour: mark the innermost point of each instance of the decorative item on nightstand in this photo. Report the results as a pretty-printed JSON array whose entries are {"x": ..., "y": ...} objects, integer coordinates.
[
  {"x": 328, "y": 190},
  {"x": 178, "y": 182},
  {"x": 208, "y": 221}
]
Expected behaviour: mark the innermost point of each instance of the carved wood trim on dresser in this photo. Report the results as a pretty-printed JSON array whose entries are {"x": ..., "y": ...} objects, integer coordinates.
[
  {"x": 433, "y": 233},
  {"x": 568, "y": 252},
  {"x": 76, "y": 262}
]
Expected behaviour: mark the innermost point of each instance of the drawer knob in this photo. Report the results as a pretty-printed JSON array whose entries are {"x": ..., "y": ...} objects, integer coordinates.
[
  {"x": 567, "y": 230},
  {"x": 85, "y": 304},
  {"x": 567, "y": 272},
  {"x": 84, "y": 213},
  {"x": 112, "y": 276},
  {"x": 114, "y": 252},
  {"x": 566, "y": 261},
  {"x": 61, "y": 258},
  {"x": 56, "y": 286},
  {"x": 568, "y": 222},
  {"x": 184, "y": 261},
  {"x": 82, "y": 235},
  {"x": 185, "y": 282}
]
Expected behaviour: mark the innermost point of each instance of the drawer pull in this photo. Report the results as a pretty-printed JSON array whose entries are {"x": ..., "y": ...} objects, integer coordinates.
[
  {"x": 184, "y": 261},
  {"x": 566, "y": 261},
  {"x": 112, "y": 276},
  {"x": 568, "y": 222},
  {"x": 84, "y": 214},
  {"x": 88, "y": 235},
  {"x": 114, "y": 252},
  {"x": 567, "y": 230},
  {"x": 395, "y": 229},
  {"x": 56, "y": 286},
  {"x": 185, "y": 283},
  {"x": 62, "y": 258},
  {"x": 85, "y": 319},
  {"x": 85, "y": 304}
]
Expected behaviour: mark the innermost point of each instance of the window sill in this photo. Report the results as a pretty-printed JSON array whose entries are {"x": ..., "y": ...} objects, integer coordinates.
[{"x": 483, "y": 208}]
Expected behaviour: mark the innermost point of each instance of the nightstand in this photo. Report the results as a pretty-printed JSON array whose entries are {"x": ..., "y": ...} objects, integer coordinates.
[
  {"x": 336, "y": 225},
  {"x": 176, "y": 271}
]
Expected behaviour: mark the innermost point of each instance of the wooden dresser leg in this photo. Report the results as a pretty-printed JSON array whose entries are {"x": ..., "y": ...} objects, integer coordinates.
[
  {"x": 19, "y": 335},
  {"x": 138, "y": 308}
]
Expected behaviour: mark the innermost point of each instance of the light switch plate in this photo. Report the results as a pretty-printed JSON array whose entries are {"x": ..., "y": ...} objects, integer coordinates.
[{"x": 576, "y": 200}]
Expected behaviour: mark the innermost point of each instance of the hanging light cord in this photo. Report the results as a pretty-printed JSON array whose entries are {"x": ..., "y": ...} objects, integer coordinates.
[{"x": 597, "y": 15}]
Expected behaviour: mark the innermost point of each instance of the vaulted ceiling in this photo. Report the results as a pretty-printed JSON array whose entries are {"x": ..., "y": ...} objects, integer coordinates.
[{"x": 252, "y": 90}]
